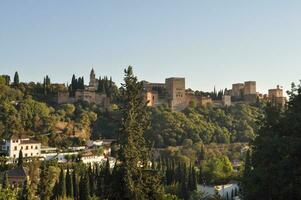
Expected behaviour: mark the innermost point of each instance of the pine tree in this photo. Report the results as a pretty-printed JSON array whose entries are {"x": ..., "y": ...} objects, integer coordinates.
[
  {"x": 62, "y": 184},
  {"x": 16, "y": 78},
  {"x": 134, "y": 149},
  {"x": 20, "y": 158},
  {"x": 69, "y": 186}
]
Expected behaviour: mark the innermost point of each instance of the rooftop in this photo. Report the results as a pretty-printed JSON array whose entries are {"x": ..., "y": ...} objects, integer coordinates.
[
  {"x": 19, "y": 171},
  {"x": 29, "y": 142}
]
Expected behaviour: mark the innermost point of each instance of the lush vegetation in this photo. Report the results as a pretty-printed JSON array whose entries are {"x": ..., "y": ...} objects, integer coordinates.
[
  {"x": 220, "y": 125},
  {"x": 161, "y": 154},
  {"x": 272, "y": 169}
]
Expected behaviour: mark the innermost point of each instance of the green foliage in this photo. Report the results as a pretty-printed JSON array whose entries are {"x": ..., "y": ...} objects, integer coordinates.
[
  {"x": 16, "y": 78},
  {"x": 2, "y": 80},
  {"x": 275, "y": 160},
  {"x": 221, "y": 125},
  {"x": 138, "y": 182},
  {"x": 9, "y": 194},
  {"x": 20, "y": 158},
  {"x": 84, "y": 190},
  {"x": 62, "y": 184},
  {"x": 69, "y": 186},
  {"x": 5, "y": 183},
  {"x": 44, "y": 184},
  {"x": 217, "y": 168},
  {"x": 26, "y": 193}
]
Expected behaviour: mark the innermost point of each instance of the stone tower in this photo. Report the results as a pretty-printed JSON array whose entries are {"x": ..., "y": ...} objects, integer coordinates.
[
  {"x": 176, "y": 91},
  {"x": 93, "y": 81}
]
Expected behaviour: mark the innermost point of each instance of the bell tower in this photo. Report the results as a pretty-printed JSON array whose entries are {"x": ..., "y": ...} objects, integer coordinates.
[{"x": 92, "y": 79}]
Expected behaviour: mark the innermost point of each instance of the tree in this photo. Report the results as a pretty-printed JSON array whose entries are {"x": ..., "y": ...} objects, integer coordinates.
[
  {"x": 26, "y": 192},
  {"x": 5, "y": 183},
  {"x": 246, "y": 175},
  {"x": 276, "y": 153},
  {"x": 107, "y": 178},
  {"x": 74, "y": 185},
  {"x": 43, "y": 187},
  {"x": 84, "y": 188},
  {"x": 134, "y": 149},
  {"x": 16, "y": 78},
  {"x": 62, "y": 184},
  {"x": 2, "y": 80},
  {"x": 55, "y": 191},
  {"x": 69, "y": 186},
  {"x": 20, "y": 158}
]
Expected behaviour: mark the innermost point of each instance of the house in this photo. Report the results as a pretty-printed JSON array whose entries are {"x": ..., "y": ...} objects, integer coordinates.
[
  {"x": 17, "y": 176},
  {"x": 29, "y": 147}
]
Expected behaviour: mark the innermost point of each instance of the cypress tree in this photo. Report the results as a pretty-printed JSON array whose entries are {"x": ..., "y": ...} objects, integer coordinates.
[
  {"x": 55, "y": 191},
  {"x": 74, "y": 185},
  {"x": 190, "y": 179},
  {"x": 246, "y": 176},
  {"x": 184, "y": 182},
  {"x": 73, "y": 85},
  {"x": 26, "y": 192},
  {"x": 84, "y": 188},
  {"x": 43, "y": 187},
  {"x": 90, "y": 177},
  {"x": 134, "y": 149},
  {"x": 194, "y": 180},
  {"x": 16, "y": 78},
  {"x": 69, "y": 186},
  {"x": 20, "y": 158},
  {"x": 62, "y": 184},
  {"x": 107, "y": 178}
]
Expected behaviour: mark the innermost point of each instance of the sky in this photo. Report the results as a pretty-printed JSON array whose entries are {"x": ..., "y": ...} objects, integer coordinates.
[{"x": 209, "y": 42}]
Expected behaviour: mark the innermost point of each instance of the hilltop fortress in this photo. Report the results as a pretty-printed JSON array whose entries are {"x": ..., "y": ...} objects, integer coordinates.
[{"x": 174, "y": 94}]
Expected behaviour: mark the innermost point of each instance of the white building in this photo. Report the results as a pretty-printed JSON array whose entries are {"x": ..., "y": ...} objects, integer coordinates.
[
  {"x": 30, "y": 148},
  {"x": 222, "y": 190},
  {"x": 61, "y": 157}
]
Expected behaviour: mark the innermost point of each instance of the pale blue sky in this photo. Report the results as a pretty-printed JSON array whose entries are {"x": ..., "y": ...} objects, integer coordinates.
[{"x": 210, "y": 42}]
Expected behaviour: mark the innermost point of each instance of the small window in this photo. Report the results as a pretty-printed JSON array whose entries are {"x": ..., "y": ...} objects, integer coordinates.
[
  {"x": 26, "y": 147},
  {"x": 36, "y": 147},
  {"x": 14, "y": 155},
  {"x": 31, "y": 147},
  {"x": 16, "y": 148},
  {"x": 21, "y": 148},
  {"x": 31, "y": 154},
  {"x": 26, "y": 155}
]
